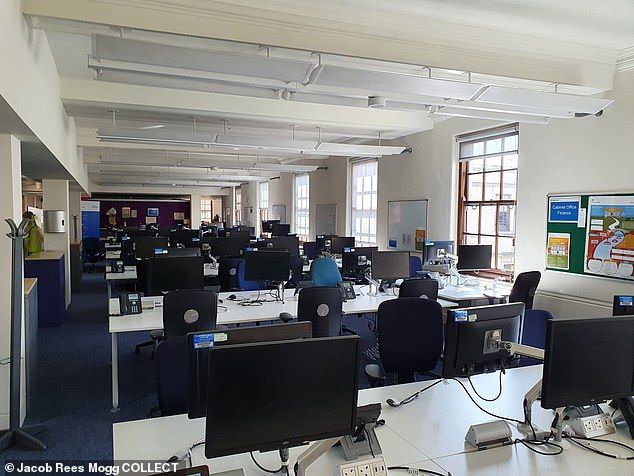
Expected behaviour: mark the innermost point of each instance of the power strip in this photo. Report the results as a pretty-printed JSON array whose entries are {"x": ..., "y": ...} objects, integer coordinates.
[
  {"x": 593, "y": 426},
  {"x": 367, "y": 467}
]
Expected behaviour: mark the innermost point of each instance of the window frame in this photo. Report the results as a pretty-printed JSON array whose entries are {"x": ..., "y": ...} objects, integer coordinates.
[
  {"x": 362, "y": 213},
  {"x": 302, "y": 232},
  {"x": 264, "y": 200},
  {"x": 204, "y": 210},
  {"x": 238, "y": 201}
]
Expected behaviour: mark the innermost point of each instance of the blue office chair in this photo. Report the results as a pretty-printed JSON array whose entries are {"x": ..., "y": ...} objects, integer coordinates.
[
  {"x": 171, "y": 376},
  {"x": 534, "y": 332},
  {"x": 324, "y": 272},
  {"x": 410, "y": 334},
  {"x": 415, "y": 265}
]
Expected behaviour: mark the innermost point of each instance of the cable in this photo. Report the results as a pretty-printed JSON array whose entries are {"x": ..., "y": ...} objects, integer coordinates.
[
  {"x": 263, "y": 468},
  {"x": 598, "y": 451},
  {"x": 415, "y": 471},
  {"x": 483, "y": 398},
  {"x": 413, "y": 396},
  {"x": 486, "y": 411},
  {"x": 367, "y": 437},
  {"x": 530, "y": 443}
]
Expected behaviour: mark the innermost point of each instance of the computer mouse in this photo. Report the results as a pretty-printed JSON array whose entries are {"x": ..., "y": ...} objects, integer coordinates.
[
  {"x": 232, "y": 297},
  {"x": 286, "y": 317}
]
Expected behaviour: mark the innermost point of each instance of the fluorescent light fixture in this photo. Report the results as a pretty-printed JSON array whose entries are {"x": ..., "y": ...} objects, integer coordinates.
[
  {"x": 378, "y": 83},
  {"x": 268, "y": 143},
  {"x": 136, "y": 51},
  {"x": 491, "y": 115},
  {"x": 543, "y": 100},
  {"x": 334, "y": 148},
  {"x": 154, "y": 136}
]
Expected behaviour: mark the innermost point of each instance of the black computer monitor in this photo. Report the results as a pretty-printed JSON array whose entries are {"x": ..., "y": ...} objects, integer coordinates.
[
  {"x": 200, "y": 343},
  {"x": 390, "y": 265},
  {"x": 324, "y": 242},
  {"x": 435, "y": 249},
  {"x": 298, "y": 391},
  {"x": 467, "y": 331},
  {"x": 280, "y": 229},
  {"x": 290, "y": 243},
  {"x": 187, "y": 238},
  {"x": 474, "y": 257},
  {"x": 338, "y": 243},
  {"x": 135, "y": 232},
  {"x": 354, "y": 260},
  {"x": 244, "y": 235},
  {"x": 170, "y": 274},
  {"x": 267, "y": 225},
  {"x": 144, "y": 246},
  {"x": 174, "y": 252},
  {"x": 623, "y": 305},
  {"x": 587, "y": 361},
  {"x": 224, "y": 247},
  {"x": 265, "y": 265}
]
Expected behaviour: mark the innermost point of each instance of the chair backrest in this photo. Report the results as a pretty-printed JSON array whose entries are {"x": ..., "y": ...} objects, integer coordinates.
[
  {"x": 419, "y": 287},
  {"x": 91, "y": 246},
  {"x": 323, "y": 307},
  {"x": 245, "y": 285},
  {"x": 415, "y": 265},
  {"x": 171, "y": 376},
  {"x": 524, "y": 288},
  {"x": 189, "y": 310},
  {"x": 297, "y": 270},
  {"x": 174, "y": 252},
  {"x": 410, "y": 334},
  {"x": 534, "y": 331},
  {"x": 170, "y": 274},
  {"x": 324, "y": 272},
  {"x": 310, "y": 249},
  {"x": 228, "y": 274}
]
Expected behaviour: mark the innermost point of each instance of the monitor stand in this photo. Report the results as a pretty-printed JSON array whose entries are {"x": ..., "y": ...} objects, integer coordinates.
[{"x": 280, "y": 292}]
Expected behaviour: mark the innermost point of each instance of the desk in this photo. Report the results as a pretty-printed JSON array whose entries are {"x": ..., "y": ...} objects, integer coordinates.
[
  {"x": 129, "y": 274},
  {"x": 210, "y": 270},
  {"x": 113, "y": 254},
  {"x": 433, "y": 426},
  {"x": 152, "y": 319},
  {"x": 465, "y": 294}
]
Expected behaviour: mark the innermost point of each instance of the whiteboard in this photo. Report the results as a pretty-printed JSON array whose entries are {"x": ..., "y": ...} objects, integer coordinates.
[
  {"x": 407, "y": 225},
  {"x": 326, "y": 219}
]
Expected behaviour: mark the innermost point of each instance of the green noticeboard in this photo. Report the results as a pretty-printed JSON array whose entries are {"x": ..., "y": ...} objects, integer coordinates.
[{"x": 591, "y": 234}]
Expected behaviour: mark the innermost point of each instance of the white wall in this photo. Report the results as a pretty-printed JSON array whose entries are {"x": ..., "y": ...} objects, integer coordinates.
[
  {"x": 330, "y": 187},
  {"x": 281, "y": 193}
]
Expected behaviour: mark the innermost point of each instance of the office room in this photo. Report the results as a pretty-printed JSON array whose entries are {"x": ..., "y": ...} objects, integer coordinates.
[{"x": 360, "y": 238}]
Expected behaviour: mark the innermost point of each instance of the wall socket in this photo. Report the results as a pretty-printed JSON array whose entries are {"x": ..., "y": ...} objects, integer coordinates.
[
  {"x": 366, "y": 467},
  {"x": 593, "y": 426}
]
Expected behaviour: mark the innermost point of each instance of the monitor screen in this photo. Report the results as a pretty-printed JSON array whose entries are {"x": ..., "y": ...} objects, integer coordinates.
[
  {"x": 187, "y": 238},
  {"x": 324, "y": 242},
  {"x": 199, "y": 343},
  {"x": 267, "y": 225},
  {"x": 291, "y": 398},
  {"x": 436, "y": 249},
  {"x": 144, "y": 246},
  {"x": 466, "y": 333},
  {"x": 289, "y": 243},
  {"x": 169, "y": 274},
  {"x": 390, "y": 264},
  {"x": 338, "y": 243},
  {"x": 225, "y": 247},
  {"x": 267, "y": 265},
  {"x": 587, "y": 361},
  {"x": 355, "y": 259},
  {"x": 280, "y": 229},
  {"x": 474, "y": 257}
]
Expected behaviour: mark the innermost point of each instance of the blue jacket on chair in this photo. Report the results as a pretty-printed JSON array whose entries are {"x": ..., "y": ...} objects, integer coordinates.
[{"x": 324, "y": 272}]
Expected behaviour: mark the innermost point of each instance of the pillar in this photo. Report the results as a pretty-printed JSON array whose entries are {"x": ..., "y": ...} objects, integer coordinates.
[{"x": 195, "y": 214}]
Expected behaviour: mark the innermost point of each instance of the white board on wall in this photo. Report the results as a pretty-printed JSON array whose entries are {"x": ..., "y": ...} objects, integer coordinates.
[
  {"x": 407, "y": 225},
  {"x": 326, "y": 219}
]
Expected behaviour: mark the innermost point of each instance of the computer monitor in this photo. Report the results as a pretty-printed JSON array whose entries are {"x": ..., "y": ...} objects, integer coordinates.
[
  {"x": 290, "y": 243},
  {"x": 280, "y": 229},
  {"x": 200, "y": 343},
  {"x": 144, "y": 246},
  {"x": 390, "y": 265},
  {"x": 587, "y": 361},
  {"x": 135, "y": 232},
  {"x": 225, "y": 247},
  {"x": 244, "y": 235},
  {"x": 338, "y": 243},
  {"x": 623, "y": 305},
  {"x": 170, "y": 274},
  {"x": 324, "y": 242},
  {"x": 354, "y": 260},
  {"x": 474, "y": 257},
  {"x": 267, "y": 265},
  {"x": 174, "y": 252},
  {"x": 267, "y": 225},
  {"x": 435, "y": 249},
  {"x": 467, "y": 332},
  {"x": 298, "y": 391},
  {"x": 187, "y": 238}
]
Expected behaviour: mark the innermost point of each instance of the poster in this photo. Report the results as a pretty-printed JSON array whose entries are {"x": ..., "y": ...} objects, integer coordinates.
[
  {"x": 179, "y": 216},
  {"x": 558, "y": 251},
  {"x": 564, "y": 209},
  {"x": 150, "y": 220},
  {"x": 152, "y": 212},
  {"x": 125, "y": 212},
  {"x": 419, "y": 240},
  {"x": 133, "y": 214},
  {"x": 610, "y": 236}
]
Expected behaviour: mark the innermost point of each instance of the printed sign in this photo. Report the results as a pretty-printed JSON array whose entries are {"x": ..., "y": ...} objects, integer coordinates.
[
  {"x": 564, "y": 209},
  {"x": 558, "y": 251}
]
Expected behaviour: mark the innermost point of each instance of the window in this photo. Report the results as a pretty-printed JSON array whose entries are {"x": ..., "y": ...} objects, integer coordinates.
[
  {"x": 487, "y": 198},
  {"x": 364, "y": 201},
  {"x": 205, "y": 209},
  {"x": 238, "y": 199},
  {"x": 264, "y": 201},
  {"x": 302, "y": 207}
]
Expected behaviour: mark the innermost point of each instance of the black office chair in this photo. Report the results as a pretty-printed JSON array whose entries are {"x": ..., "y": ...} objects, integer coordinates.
[
  {"x": 524, "y": 288},
  {"x": 323, "y": 307},
  {"x": 297, "y": 271},
  {"x": 189, "y": 310},
  {"x": 92, "y": 252},
  {"x": 175, "y": 252},
  {"x": 419, "y": 287},
  {"x": 228, "y": 274},
  {"x": 171, "y": 376},
  {"x": 310, "y": 249},
  {"x": 410, "y": 334}
]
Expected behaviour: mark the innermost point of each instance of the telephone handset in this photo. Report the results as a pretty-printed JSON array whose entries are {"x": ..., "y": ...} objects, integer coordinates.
[
  {"x": 130, "y": 303},
  {"x": 347, "y": 290}
]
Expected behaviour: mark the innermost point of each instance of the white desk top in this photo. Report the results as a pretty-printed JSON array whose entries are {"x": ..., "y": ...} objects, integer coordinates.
[
  {"x": 129, "y": 273},
  {"x": 113, "y": 254},
  {"x": 471, "y": 293}
]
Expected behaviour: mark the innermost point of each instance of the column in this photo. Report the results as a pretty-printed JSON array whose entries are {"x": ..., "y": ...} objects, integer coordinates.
[
  {"x": 56, "y": 197},
  {"x": 195, "y": 215},
  {"x": 10, "y": 207},
  {"x": 74, "y": 205}
]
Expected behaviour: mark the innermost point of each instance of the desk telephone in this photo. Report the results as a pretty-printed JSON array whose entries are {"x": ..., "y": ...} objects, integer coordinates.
[
  {"x": 130, "y": 303},
  {"x": 347, "y": 290},
  {"x": 117, "y": 267}
]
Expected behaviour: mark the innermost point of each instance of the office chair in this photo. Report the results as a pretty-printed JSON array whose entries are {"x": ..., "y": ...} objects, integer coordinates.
[
  {"x": 524, "y": 288},
  {"x": 228, "y": 274},
  {"x": 189, "y": 310},
  {"x": 410, "y": 334},
  {"x": 323, "y": 307},
  {"x": 171, "y": 376},
  {"x": 419, "y": 287},
  {"x": 92, "y": 252},
  {"x": 310, "y": 249},
  {"x": 324, "y": 272},
  {"x": 415, "y": 265},
  {"x": 534, "y": 332},
  {"x": 297, "y": 271}
]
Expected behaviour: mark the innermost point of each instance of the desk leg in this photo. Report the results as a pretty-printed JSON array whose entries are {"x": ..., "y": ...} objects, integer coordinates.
[{"x": 115, "y": 373}]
